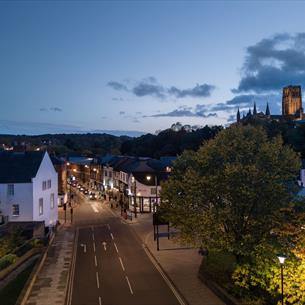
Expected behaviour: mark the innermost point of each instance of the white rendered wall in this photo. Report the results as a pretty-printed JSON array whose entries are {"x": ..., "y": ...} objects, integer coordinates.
[
  {"x": 23, "y": 195},
  {"x": 46, "y": 172}
]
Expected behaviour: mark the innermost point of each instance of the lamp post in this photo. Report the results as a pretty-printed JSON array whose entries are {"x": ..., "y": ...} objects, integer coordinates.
[
  {"x": 133, "y": 180},
  {"x": 148, "y": 178},
  {"x": 282, "y": 259}
]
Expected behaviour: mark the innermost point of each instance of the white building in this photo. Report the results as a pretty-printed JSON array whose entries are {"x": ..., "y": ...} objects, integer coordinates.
[{"x": 28, "y": 187}]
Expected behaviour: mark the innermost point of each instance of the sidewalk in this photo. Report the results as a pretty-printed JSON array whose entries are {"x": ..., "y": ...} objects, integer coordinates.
[
  {"x": 50, "y": 285},
  {"x": 180, "y": 263}
]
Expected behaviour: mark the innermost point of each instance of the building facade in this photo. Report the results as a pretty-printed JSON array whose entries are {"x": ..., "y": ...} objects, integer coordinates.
[{"x": 28, "y": 188}]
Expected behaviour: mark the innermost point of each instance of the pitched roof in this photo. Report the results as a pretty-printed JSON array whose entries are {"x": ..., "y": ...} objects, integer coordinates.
[{"x": 19, "y": 167}]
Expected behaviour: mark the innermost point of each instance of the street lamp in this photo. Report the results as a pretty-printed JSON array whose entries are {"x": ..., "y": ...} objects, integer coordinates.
[
  {"x": 282, "y": 259},
  {"x": 148, "y": 178},
  {"x": 133, "y": 180}
]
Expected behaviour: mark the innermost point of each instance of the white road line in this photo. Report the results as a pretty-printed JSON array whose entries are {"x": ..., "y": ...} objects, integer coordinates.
[
  {"x": 122, "y": 264},
  {"x": 97, "y": 280},
  {"x": 95, "y": 209},
  {"x": 116, "y": 248},
  {"x": 128, "y": 284},
  {"x": 100, "y": 300},
  {"x": 112, "y": 236},
  {"x": 108, "y": 226},
  {"x": 168, "y": 282},
  {"x": 95, "y": 260},
  {"x": 93, "y": 236},
  {"x": 94, "y": 246}
]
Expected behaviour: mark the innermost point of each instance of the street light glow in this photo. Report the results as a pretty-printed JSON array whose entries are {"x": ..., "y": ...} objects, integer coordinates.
[
  {"x": 148, "y": 178},
  {"x": 281, "y": 258}
]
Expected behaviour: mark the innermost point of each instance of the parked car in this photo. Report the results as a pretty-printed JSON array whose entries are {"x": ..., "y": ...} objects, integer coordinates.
[
  {"x": 85, "y": 192},
  {"x": 92, "y": 196}
]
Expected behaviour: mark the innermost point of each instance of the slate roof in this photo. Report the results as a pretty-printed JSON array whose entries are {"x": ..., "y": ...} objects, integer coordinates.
[{"x": 19, "y": 167}]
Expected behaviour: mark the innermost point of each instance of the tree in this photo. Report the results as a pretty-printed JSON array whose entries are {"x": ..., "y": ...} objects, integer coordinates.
[{"x": 231, "y": 194}]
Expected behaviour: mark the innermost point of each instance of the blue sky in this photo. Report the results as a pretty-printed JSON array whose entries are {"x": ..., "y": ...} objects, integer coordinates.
[{"x": 143, "y": 65}]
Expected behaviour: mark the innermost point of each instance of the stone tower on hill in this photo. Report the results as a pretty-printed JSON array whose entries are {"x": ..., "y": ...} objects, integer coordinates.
[{"x": 292, "y": 101}]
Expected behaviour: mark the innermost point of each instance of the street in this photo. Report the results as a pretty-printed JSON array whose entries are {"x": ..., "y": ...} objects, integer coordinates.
[{"x": 110, "y": 265}]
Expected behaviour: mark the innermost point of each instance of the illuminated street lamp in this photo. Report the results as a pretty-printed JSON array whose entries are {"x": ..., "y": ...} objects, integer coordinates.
[
  {"x": 282, "y": 259},
  {"x": 148, "y": 178}
]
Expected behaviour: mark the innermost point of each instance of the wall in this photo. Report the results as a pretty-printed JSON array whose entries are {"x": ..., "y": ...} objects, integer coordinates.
[
  {"x": 23, "y": 195},
  {"x": 45, "y": 172}
]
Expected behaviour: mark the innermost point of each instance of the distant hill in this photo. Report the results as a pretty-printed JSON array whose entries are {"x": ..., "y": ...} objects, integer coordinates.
[{"x": 34, "y": 128}]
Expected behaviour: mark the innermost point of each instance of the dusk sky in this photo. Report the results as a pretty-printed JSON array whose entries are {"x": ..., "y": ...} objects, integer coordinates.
[{"x": 69, "y": 66}]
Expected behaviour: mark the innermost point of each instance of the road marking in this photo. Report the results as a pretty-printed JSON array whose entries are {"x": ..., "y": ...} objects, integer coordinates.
[
  {"x": 105, "y": 245},
  {"x": 97, "y": 280},
  {"x": 95, "y": 209},
  {"x": 93, "y": 236},
  {"x": 116, "y": 248},
  {"x": 108, "y": 226},
  {"x": 122, "y": 264},
  {"x": 84, "y": 246},
  {"x": 128, "y": 284},
  {"x": 112, "y": 236},
  {"x": 95, "y": 260},
  {"x": 168, "y": 282},
  {"x": 92, "y": 228},
  {"x": 100, "y": 300},
  {"x": 94, "y": 246}
]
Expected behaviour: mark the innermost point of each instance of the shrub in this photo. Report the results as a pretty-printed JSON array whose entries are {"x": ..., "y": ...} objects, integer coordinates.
[
  {"x": 7, "y": 260},
  {"x": 23, "y": 249}
]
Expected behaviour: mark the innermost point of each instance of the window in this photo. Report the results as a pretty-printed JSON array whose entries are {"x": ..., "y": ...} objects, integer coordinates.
[
  {"x": 49, "y": 184},
  {"x": 40, "y": 206},
  {"x": 52, "y": 201},
  {"x": 10, "y": 189},
  {"x": 15, "y": 210},
  {"x": 44, "y": 185},
  {"x": 105, "y": 173},
  {"x": 153, "y": 191}
]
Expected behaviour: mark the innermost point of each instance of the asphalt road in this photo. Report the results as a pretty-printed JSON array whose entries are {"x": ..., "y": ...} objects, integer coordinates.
[{"x": 111, "y": 266}]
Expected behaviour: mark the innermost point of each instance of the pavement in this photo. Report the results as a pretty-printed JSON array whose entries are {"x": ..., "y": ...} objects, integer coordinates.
[{"x": 50, "y": 284}]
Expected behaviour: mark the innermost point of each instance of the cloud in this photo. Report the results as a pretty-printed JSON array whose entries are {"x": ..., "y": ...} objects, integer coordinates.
[
  {"x": 184, "y": 111},
  {"x": 273, "y": 63},
  {"x": 122, "y": 112},
  {"x": 203, "y": 90},
  {"x": 150, "y": 87},
  {"x": 54, "y": 109},
  {"x": 103, "y": 117},
  {"x": 117, "y": 86},
  {"x": 117, "y": 99},
  {"x": 145, "y": 88}
]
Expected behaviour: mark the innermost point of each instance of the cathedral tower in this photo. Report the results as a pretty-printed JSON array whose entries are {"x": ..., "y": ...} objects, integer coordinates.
[{"x": 292, "y": 100}]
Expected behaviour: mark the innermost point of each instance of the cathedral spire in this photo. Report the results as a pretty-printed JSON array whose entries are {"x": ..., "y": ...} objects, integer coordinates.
[
  {"x": 238, "y": 116},
  {"x": 254, "y": 109},
  {"x": 267, "y": 109},
  {"x": 249, "y": 112}
]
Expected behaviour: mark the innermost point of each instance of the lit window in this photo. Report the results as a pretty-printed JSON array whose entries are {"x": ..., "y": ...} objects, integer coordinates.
[
  {"x": 40, "y": 206},
  {"x": 52, "y": 201},
  {"x": 10, "y": 189},
  {"x": 15, "y": 210}
]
